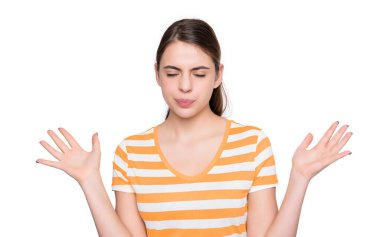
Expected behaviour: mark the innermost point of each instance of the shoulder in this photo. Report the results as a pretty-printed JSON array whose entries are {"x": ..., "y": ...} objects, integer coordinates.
[
  {"x": 144, "y": 138},
  {"x": 143, "y": 134},
  {"x": 244, "y": 126},
  {"x": 238, "y": 127},
  {"x": 245, "y": 130}
]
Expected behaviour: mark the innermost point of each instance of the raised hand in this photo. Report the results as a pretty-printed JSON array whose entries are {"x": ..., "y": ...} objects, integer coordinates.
[
  {"x": 308, "y": 163},
  {"x": 73, "y": 160}
]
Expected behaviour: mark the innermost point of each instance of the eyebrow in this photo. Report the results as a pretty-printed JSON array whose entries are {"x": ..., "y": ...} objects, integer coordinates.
[{"x": 178, "y": 69}]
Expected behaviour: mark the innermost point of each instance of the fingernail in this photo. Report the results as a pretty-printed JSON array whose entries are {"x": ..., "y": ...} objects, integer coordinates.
[
  {"x": 350, "y": 153},
  {"x": 97, "y": 134},
  {"x": 37, "y": 161},
  {"x": 337, "y": 122}
]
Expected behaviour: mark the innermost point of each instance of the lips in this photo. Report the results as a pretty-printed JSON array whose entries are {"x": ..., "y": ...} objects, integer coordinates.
[{"x": 184, "y": 102}]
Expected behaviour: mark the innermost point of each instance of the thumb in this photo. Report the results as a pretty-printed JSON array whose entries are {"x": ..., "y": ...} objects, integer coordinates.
[
  {"x": 95, "y": 143},
  {"x": 306, "y": 141}
]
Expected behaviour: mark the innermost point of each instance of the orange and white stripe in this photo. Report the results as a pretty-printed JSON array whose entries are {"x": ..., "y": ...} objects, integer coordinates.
[{"x": 212, "y": 203}]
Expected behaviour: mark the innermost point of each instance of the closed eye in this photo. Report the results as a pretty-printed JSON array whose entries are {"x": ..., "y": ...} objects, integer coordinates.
[{"x": 171, "y": 75}]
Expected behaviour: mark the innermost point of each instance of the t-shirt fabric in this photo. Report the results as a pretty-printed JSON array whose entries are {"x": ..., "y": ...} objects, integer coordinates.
[{"x": 211, "y": 203}]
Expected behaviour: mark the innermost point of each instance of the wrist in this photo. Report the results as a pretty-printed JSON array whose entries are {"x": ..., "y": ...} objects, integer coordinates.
[
  {"x": 298, "y": 178},
  {"x": 90, "y": 180}
]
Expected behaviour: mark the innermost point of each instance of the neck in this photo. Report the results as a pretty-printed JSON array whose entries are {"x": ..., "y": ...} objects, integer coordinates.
[{"x": 189, "y": 129}]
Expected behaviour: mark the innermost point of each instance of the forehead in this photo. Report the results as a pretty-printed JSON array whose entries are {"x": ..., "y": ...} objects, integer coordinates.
[{"x": 185, "y": 55}]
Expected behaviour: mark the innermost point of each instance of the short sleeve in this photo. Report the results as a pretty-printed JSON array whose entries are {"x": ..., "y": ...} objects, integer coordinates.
[
  {"x": 120, "y": 180},
  {"x": 265, "y": 175}
]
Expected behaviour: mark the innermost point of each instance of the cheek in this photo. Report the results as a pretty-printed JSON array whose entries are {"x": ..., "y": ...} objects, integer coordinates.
[
  {"x": 169, "y": 87},
  {"x": 205, "y": 92},
  {"x": 209, "y": 86}
]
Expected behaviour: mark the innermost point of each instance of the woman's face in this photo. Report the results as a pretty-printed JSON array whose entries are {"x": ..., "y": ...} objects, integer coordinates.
[{"x": 186, "y": 72}]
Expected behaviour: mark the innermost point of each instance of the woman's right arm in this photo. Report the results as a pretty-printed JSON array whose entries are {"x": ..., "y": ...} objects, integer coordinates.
[
  {"x": 84, "y": 166},
  {"x": 108, "y": 223}
]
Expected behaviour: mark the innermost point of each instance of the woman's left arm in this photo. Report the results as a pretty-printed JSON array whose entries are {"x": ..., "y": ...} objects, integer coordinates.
[{"x": 305, "y": 165}]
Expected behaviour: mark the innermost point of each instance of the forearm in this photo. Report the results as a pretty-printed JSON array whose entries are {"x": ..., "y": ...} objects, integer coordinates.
[
  {"x": 286, "y": 222},
  {"x": 108, "y": 223}
]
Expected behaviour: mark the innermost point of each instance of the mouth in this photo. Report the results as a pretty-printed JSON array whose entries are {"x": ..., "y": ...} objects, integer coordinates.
[{"x": 184, "y": 102}]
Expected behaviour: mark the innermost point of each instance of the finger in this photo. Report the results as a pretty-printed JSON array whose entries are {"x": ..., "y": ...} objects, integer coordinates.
[
  {"x": 329, "y": 160},
  {"x": 58, "y": 141},
  {"x": 306, "y": 142},
  {"x": 51, "y": 150},
  {"x": 343, "y": 142},
  {"x": 326, "y": 137},
  {"x": 55, "y": 164},
  {"x": 69, "y": 138},
  {"x": 338, "y": 135},
  {"x": 341, "y": 155},
  {"x": 95, "y": 143}
]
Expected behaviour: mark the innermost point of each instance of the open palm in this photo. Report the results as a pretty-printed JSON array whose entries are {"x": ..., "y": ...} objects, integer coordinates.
[
  {"x": 74, "y": 160},
  {"x": 308, "y": 163}
]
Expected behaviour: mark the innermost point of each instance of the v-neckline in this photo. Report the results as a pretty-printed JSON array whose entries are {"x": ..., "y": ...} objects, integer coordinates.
[{"x": 209, "y": 166}]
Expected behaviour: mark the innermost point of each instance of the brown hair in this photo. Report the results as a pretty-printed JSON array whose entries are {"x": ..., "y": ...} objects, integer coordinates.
[{"x": 198, "y": 32}]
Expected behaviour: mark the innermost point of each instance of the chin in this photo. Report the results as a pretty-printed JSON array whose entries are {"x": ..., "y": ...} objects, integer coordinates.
[{"x": 183, "y": 114}]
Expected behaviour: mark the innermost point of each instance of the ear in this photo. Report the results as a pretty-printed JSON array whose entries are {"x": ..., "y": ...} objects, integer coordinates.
[
  {"x": 219, "y": 77},
  {"x": 157, "y": 75}
]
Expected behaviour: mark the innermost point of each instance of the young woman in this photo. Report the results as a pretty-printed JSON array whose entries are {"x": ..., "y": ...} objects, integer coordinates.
[{"x": 197, "y": 173}]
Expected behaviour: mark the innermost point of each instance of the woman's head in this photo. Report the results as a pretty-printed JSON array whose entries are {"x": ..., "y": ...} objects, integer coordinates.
[{"x": 186, "y": 45}]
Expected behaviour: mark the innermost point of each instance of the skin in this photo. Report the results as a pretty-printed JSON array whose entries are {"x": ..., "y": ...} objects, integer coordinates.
[
  {"x": 189, "y": 133},
  {"x": 264, "y": 218}
]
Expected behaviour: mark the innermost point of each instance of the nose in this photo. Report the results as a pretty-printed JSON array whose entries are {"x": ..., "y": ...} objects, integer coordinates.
[{"x": 185, "y": 83}]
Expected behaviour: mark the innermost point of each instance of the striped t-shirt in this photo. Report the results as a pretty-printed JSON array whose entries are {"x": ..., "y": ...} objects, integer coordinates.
[{"x": 212, "y": 203}]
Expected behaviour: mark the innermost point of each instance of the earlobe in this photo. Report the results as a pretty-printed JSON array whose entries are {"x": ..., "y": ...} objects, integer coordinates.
[
  {"x": 218, "y": 81},
  {"x": 219, "y": 77}
]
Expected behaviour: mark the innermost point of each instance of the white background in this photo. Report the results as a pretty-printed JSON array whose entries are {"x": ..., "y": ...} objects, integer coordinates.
[{"x": 291, "y": 67}]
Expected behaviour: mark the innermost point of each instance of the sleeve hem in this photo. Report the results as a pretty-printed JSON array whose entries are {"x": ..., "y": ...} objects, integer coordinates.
[
  {"x": 261, "y": 187},
  {"x": 123, "y": 188}
]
